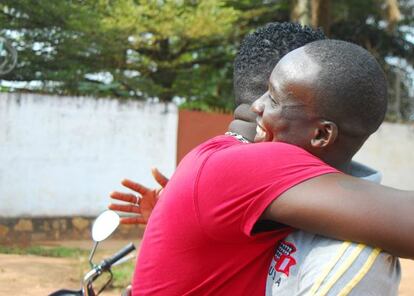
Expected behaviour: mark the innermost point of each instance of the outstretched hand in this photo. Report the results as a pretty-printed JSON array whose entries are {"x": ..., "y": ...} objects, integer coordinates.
[{"x": 140, "y": 204}]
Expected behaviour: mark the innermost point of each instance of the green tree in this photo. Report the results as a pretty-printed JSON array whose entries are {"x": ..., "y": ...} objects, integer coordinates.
[
  {"x": 120, "y": 48},
  {"x": 50, "y": 39},
  {"x": 164, "y": 41},
  {"x": 377, "y": 26},
  {"x": 384, "y": 27},
  {"x": 185, "y": 48}
]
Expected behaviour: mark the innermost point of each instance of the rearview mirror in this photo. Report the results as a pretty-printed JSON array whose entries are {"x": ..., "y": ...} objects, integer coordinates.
[{"x": 104, "y": 225}]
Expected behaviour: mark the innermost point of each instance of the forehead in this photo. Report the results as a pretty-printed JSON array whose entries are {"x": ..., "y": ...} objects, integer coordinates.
[
  {"x": 296, "y": 66},
  {"x": 296, "y": 77}
]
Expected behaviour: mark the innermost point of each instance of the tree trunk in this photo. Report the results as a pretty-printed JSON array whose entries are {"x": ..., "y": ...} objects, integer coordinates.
[
  {"x": 301, "y": 12},
  {"x": 321, "y": 14},
  {"x": 393, "y": 14},
  {"x": 397, "y": 91}
]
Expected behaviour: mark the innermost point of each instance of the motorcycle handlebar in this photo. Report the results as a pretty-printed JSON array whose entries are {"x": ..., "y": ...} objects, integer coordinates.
[{"x": 107, "y": 263}]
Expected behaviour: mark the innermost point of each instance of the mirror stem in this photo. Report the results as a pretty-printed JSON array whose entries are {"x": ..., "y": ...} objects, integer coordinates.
[{"x": 92, "y": 253}]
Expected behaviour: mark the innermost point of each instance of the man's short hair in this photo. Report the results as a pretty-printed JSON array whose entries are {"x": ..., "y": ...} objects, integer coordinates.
[
  {"x": 352, "y": 88},
  {"x": 259, "y": 53}
]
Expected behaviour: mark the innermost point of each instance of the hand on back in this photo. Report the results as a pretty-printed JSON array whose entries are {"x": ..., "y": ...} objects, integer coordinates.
[
  {"x": 142, "y": 203},
  {"x": 244, "y": 122}
]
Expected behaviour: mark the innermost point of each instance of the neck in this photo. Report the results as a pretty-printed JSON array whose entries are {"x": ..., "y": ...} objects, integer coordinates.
[
  {"x": 344, "y": 168},
  {"x": 341, "y": 153},
  {"x": 339, "y": 161}
]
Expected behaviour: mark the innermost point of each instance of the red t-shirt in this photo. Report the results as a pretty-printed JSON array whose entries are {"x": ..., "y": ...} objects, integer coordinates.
[{"x": 199, "y": 238}]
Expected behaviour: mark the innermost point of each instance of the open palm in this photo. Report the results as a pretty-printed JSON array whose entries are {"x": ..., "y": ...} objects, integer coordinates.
[{"x": 140, "y": 204}]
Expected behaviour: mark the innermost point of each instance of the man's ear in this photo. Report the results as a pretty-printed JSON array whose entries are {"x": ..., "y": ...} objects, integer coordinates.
[{"x": 325, "y": 134}]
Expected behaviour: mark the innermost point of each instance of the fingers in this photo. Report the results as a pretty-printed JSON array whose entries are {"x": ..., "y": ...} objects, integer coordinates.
[
  {"x": 125, "y": 208},
  {"x": 133, "y": 220},
  {"x": 241, "y": 127},
  {"x": 127, "y": 291},
  {"x": 127, "y": 197},
  {"x": 135, "y": 186},
  {"x": 159, "y": 177},
  {"x": 244, "y": 113}
]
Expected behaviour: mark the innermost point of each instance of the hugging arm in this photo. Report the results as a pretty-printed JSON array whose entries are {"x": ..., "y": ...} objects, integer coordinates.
[
  {"x": 348, "y": 208},
  {"x": 244, "y": 122}
]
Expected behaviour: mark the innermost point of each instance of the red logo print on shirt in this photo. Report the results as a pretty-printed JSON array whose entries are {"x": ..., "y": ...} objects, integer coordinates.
[{"x": 283, "y": 257}]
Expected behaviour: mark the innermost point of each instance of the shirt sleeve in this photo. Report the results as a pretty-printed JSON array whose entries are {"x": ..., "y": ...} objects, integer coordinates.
[
  {"x": 345, "y": 268},
  {"x": 309, "y": 264},
  {"x": 235, "y": 185}
]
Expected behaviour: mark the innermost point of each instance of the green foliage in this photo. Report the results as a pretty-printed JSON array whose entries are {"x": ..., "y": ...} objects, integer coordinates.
[
  {"x": 123, "y": 275},
  {"x": 126, "y": 48},
  {"x": 364, "y": 23},
  {"x": 141, "y": 47},
  {"x": 175, "y": 48}
]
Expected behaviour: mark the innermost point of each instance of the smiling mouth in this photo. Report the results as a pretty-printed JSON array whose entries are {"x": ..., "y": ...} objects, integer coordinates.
[{"x": 260, "y": 132}]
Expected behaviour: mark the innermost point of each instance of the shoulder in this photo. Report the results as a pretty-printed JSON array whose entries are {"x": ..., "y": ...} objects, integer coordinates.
[
  {"x": 267, "y": 153},
  {"x": 261, "y": 164},
  {"x": 262, "y": 161},
  {"x": 336, "y": 266},
  {"x": 331, "y": 267},
  {"x": 218, "y": 143}
]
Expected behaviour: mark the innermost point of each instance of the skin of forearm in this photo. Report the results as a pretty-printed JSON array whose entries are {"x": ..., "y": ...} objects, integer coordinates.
[
  {"x": 347, "y": 208},
  {"x": 387, "y": 222}
]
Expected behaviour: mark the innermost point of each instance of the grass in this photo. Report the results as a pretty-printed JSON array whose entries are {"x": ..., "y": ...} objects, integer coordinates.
[
  {"x": 122, "y": 273},
  {"x": 60, "y": 252}
]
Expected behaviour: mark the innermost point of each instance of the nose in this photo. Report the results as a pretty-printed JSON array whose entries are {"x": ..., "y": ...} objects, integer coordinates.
[{"x": 258, "y": 105}]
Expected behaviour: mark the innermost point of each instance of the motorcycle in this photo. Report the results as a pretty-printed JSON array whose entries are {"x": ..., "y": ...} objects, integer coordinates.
[{"x": 102, "y": 228}]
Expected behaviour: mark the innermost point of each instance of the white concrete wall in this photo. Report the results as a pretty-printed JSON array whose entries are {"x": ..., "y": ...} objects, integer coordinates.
[
  {"x": 391, "y": 151},
  {"x": 63, "y": 155}
]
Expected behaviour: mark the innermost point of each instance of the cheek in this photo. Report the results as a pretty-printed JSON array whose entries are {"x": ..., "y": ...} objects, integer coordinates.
[
  {"x": 291, "y": 130},
  {"x": 280, "y": 127},
  {"x": 279, "y": 121},
  {"x": 300, "y": 134}
]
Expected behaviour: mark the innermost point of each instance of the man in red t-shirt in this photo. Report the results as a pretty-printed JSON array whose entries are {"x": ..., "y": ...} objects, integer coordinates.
[
  {"x": 218, "y": 193},
  {"x": 221, "y": 209}
]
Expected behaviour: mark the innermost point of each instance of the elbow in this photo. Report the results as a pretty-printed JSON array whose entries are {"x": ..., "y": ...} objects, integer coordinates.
[
  {"x": 403, "y": 246},
  {"x": 408, "y": 251}
]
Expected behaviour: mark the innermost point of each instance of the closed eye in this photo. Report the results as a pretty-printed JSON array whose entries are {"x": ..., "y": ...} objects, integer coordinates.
[
  {"x": 272, "y": 98},
  {"x": 274, "y": 101}
]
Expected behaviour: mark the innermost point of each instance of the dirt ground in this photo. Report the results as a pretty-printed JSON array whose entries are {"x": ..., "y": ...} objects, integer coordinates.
[{"x": 39, "y": 276}]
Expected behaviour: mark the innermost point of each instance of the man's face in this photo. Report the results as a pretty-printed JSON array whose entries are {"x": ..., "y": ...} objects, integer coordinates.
[{"x": 286, "y": 112}]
